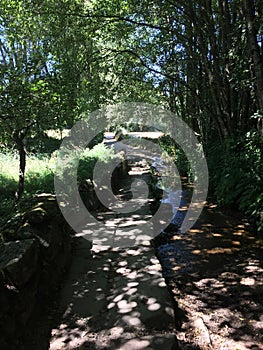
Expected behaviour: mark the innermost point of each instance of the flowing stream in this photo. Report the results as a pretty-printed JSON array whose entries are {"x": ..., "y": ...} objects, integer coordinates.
[{"x": 168, "y": 244}]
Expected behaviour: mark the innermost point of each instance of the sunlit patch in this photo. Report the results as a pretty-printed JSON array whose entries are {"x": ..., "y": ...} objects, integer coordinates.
[
  {"x": 133, "y": 284},
  {"x": 63, "y": 326},
  {"x": 177, "y": 238},
  {"x": 151, "y": 301},
  {"x": 132, "y": 321},
  {"x": 220, "y": 250},
  {"x": 184, "y": 208},
  {"x": 110, "y": 306},
  {"x": 239, "y": 233},
  {"x": 131, "y": 291},
  {"x": 152, "y": 269},
  {"x": 137, "y": 344},
  {"x": 123, "y": 270},
  {"x": 248, "y": 281},
  {"x": 254, "y": 267},
  {"x": 241, "y": 226},
  {"x": 236, "y": 243},
  {"x": 207, "y": 227},
  {"x": 118, "y": 298},
  {"x": 125, "y": 306},
  {"x": 209, "y": 283},
  {"x": 133, "y": 252},
  {"x": 176, "y": 268},
  {"x": 194, "y": 231},
  {"x": 133, "y": 275},
  {"x": 116, "y": 332},
  {"x": 154, "y": 307},
  {"x": 217, "y": 235},
  {"x": 196, "y": 251},
  {"x": 162, "y": 284}
]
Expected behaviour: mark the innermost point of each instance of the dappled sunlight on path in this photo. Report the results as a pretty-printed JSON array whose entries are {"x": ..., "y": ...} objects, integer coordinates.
[
  {"x": 204, "y": 291},
  {"x": 208, "y": 283},
  {"x": 217, "y": 278},
  {"x": 113, "y": 298}
]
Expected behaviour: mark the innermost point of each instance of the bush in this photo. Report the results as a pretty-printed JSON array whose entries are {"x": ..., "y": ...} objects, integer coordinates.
[
  {"x": 236, "y": 174},
  {"x": 168, "y": 145}
]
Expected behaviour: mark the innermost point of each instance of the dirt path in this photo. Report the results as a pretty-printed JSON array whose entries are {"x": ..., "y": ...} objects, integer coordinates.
[
  {"x": 116, "y": 298},
  {"x": 220, "y": 286},
  {"x": 206, "y": 293}
]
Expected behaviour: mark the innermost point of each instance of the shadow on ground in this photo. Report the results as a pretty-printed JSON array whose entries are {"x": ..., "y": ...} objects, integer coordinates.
[
  {"x": 115, "y": 300},
  {"x": 218, "y": 280},
  {"x": 118, "y": 299}
]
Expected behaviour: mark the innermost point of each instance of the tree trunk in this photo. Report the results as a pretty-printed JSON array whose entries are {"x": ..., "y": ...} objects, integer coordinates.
[
  {"x": 19, "y": 140},
  {"x": 250, "y": 16}
]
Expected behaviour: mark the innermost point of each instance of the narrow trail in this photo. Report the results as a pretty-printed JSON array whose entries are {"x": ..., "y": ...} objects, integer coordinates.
[
  {"x": 198, "y": 290},
  {"x": 116, "y": 298}
]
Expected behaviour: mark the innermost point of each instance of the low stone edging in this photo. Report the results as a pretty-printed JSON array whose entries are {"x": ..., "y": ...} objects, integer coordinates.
[{"x": 31, "y": 266}]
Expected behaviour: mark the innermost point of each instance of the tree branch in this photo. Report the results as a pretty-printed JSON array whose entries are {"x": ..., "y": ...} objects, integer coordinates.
[{"x": 113, "y": 18}]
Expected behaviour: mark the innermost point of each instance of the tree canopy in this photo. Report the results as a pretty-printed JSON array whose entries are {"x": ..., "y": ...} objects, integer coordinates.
[{"x": 200, "y": 59}]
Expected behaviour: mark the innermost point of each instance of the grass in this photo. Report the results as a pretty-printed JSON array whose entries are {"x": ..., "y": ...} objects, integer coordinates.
[
  {"x": 37, "y": 171},
  {"x": 39, "y": 176}
]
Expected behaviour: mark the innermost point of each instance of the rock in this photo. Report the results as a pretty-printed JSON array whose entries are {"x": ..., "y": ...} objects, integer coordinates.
[
  {"x": 35, "y": 216},
  {"x": 9, "y": 234},
  {"x": 202, "y": 333},
  {"x": 45, "y": 209},
  {"x": 88, "y": 194},
  {"x": 31, "y": 266},
  {"x": 18, "y": 260}
]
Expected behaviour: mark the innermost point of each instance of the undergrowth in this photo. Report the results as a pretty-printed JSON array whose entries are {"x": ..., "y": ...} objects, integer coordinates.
[{"x": 236, "y": 174}]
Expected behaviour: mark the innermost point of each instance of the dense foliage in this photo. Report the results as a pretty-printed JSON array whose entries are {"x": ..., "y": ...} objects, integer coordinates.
[
  {"x": 203, "y": 60},
  {"x": 236, "y": 174}
]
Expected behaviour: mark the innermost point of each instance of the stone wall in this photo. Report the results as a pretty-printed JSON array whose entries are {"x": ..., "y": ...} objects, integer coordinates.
[{"x": 33, "y": 257}]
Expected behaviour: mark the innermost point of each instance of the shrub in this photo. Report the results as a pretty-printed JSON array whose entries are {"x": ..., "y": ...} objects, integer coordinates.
[
  {"x": 168, "y": 145},
  {"x": 236, "y": 173}
]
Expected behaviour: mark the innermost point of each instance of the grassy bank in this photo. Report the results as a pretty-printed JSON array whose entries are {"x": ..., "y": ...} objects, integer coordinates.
[{"x": 39, "y": 176}]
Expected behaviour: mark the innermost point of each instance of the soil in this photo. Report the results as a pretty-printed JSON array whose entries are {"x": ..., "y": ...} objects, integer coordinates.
[{"x": 219, "y": 290}]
